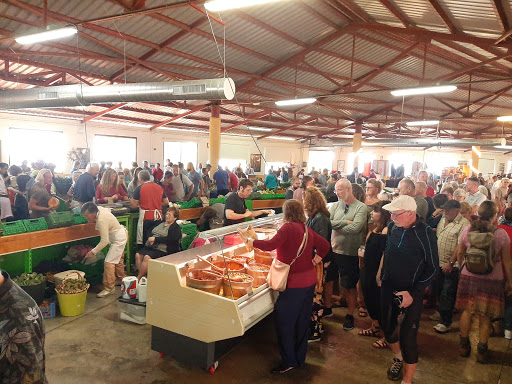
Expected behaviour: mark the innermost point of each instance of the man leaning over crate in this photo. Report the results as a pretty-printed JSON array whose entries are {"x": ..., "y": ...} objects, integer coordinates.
[{"x": 113, "y": 234}]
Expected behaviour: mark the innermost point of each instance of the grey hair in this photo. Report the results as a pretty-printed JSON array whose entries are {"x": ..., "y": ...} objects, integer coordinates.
[
  {"x": 144, "y": 175},
  {"x": 91, "y": 166}
]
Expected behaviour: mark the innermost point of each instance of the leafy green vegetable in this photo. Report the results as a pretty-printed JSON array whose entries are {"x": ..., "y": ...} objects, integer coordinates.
[{"x": 28, "y": 279}]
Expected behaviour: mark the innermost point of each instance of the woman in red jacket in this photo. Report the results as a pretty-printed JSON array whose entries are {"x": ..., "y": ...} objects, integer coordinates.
[
  {"x": 294, "y": 305},
  {"x": 110, "y": 187}
]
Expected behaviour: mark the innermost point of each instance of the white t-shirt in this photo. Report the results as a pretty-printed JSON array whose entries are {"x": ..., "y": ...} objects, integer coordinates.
[
  {"x": 179, "y": 187},
  {"x": 475, "y": 199}
]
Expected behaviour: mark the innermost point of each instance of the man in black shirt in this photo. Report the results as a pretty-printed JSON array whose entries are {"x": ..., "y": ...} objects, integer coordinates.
[
  {"x": 235, "y": 210},
  {"x": 410, "y": 262}
]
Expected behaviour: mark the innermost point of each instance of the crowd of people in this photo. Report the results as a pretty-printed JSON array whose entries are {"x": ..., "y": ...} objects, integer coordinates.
[{"x": 444, "y": 241}]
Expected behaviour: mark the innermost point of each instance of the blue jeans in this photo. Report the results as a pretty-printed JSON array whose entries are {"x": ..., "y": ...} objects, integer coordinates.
[{"x": 508, "y": 313}]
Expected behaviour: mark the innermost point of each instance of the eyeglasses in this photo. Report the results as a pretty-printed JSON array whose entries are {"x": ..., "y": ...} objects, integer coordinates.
[{"x": 398, "y": 215}]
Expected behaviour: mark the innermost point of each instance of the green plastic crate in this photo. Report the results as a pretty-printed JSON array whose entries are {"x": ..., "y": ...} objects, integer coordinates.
[
  {"x": 13, "y": 227},
  {"x": 189, "y": 228},
  {"x": 60, "y": 219},
  {"x": 279, "y": 196},
  {"x": 79, "y": 219},
  {"x": 63, "y": 206},
  {"x": 185, "y": 242},
  {"x": 221, "y": 200},
  {"x": 93, "y": 273},
  {"x": 33, "y": 225}
]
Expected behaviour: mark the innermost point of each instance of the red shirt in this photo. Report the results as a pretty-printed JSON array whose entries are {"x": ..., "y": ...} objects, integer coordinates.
[
  {"x": 287, "y": 242},
  {"x": 233, "y": 181},
  {"x": 102, "y": 198},
  {"x": 430, "y": 191},
  {"x": 150, "y": 196},
  {"x": 158, "y": 174}
]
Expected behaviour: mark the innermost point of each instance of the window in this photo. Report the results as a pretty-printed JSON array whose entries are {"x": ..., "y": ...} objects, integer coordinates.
[
  {"x": 115, "y": 149},
  {"x": 178, "y": 151},
  {"x": 320, "y": 160},
  {"x": 405, "y": 159},
  {"x": 35, "y": 144},
  {"x": 275, "y": 165},
  {"x": 364, "y": 163}
]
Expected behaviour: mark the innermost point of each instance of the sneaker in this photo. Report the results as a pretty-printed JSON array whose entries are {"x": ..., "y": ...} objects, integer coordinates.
[
  {"x": 313, "y": 338},
  {"x": 327, "y": 312},
  {"x": 348, "y": 325},
  {"x": 281, "y": 369},
  {"x": 435, "y": 317},
  {"x": 106, "y": 292},
  {"x": 395, "y": 371},
  {"x": 508, "y": 334},
  {"x": 441, "y": 328}
]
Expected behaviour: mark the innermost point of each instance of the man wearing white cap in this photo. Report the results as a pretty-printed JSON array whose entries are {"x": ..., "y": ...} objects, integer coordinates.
[{"x": 410, "y": 262}]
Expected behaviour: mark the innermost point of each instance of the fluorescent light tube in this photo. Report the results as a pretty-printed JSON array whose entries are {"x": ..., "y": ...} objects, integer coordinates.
[
  {"x": 281, "y": 138},
  {"x": 224, "y": 5},
  {"x": 424, "y": 91},
  {"x": 421, "y": 123},
  {"x": 503, "y": 146},
  {"x": 505, "y": 118},
  {"x": 307, "y": 100},
  {"x": 52, "y": 34},
  {"x": 259, "y": 129}
]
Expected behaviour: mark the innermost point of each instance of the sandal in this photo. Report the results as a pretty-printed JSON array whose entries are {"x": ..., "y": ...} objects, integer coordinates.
[
  {"x": 370, "y": 332},
  {"x": 380, "y": 344},
  {"x": 363, "y": 312}
]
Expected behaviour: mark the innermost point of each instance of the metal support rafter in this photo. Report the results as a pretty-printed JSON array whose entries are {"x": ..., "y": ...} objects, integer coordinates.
[
  {"x": 201, "y": 107},
  {"x": 108, "y": 110}
]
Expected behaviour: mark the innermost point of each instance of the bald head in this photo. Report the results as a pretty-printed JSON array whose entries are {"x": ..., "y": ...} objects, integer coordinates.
[
  {"x": 344, "y": 191},
  {"x": 406, "y": 187},
  {"x": 93, "y": 169}
]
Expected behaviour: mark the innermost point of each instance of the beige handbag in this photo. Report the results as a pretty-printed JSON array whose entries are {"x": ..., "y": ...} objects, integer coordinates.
[{"x": 277, "y": 277}]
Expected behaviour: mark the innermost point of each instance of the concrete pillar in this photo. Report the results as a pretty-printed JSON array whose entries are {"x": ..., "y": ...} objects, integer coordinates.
[
  {"x": 356, "y": 146},
  {"x": 214, "y": 138},
  {"x": 475, "y": 157}
]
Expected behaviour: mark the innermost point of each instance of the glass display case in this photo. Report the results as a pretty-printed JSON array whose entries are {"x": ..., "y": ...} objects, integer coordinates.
[{"x": 197, "y": 310}]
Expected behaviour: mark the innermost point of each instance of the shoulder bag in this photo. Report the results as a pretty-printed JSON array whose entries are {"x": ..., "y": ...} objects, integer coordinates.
[{"x": 278, "y": 275}]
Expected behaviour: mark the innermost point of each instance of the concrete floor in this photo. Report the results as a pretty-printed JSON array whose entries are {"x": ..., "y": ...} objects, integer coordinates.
[{"x": 97, "y": 347}]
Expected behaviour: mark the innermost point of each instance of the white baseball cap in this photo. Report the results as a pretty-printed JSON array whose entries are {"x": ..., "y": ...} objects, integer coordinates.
[{"x": 402, "y": 202}]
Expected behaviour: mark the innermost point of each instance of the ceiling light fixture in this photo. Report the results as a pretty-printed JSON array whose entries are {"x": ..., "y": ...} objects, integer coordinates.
[
  {"x": 505, "y": 118},
  {"x": 424, "y": 91},
  {"x": 224, "y": 5},
  {"x": 422, "y": 123},
  {"x": 503, "y": 146},
  {"x": 281, "y": 138},
  {"x": 261, "y": 129},
  {"x": 52, "y": 34},
  {"x": 307, "y": 100}
]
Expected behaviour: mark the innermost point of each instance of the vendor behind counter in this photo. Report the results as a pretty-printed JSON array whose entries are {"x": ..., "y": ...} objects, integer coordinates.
[{"x": 235, "y": 210}]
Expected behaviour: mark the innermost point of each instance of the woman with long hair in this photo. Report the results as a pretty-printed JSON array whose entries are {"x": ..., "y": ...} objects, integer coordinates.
[
  {"x": 370, "y": 273},
  {"x": 319, "y": 221},
  {"x": 109, "y": 187},
  {"x": 298, "y": 194},
  {"x": 482, "y": 295},
  {"x": 293, "y": 306},
  {"x": 134, "y": 183}
]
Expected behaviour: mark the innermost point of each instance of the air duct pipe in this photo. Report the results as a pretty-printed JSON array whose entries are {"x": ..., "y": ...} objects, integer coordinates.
[
  {"x": 83, "y": 95},
  {"x": 409, "y": 143}
]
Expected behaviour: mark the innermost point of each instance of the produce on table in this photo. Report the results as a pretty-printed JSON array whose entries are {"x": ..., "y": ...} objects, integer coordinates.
[
  {"x": 28, "y": 279},
  {"x": 53, "y": 203},
  {"x": 239, "y": 277}
]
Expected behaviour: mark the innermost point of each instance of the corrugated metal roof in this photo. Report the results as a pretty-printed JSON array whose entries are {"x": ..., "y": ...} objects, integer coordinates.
[{"x": 195, "y": 56}]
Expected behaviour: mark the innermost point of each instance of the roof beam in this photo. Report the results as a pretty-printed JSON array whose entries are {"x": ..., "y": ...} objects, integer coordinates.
[
  {"x": 256, "y": 116},
  {"x": 201, "y": 107},
  {"x": 501, "y": 13},
  {"x": 104, "y": 112},
  {"x": 317, "y": 14},
  {"x": 396, "y": 12},
  {"x": 443, "y": 15},
  {"x": 302, "y": 122}
]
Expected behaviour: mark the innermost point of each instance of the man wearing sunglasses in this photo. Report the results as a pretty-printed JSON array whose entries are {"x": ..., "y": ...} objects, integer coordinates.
[{"x": 410, "y": 262}]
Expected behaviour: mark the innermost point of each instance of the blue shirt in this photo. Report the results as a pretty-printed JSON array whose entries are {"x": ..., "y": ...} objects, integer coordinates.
[
  {"x": 84, "y": 190},
  {"x": 221, "y": 178},
  {"x": 285, "y": 177},
  {"x": 271, "y": 181}
]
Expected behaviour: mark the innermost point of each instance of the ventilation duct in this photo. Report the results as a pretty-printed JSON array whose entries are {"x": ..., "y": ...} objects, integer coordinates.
[
  {"x": 78, "y": 95},
  {"x": 409, "y": 143}
]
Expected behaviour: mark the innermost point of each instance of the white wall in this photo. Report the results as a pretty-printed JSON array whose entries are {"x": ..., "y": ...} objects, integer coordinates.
[{"x": 149, "y": 143}]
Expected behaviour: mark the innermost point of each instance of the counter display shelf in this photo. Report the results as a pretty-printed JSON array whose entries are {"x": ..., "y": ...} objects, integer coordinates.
[{"x": 194, "y": 326}]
